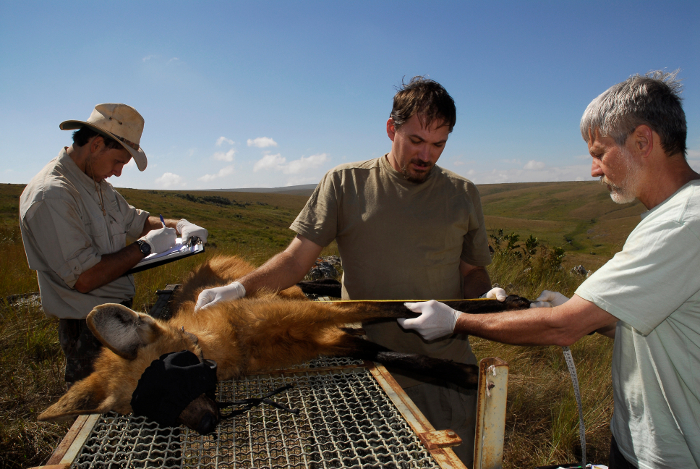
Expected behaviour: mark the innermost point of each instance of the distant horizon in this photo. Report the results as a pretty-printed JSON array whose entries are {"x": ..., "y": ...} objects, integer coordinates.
[
  {"x": 312, "y": 186},
  {"x": 295, "y": 186}
]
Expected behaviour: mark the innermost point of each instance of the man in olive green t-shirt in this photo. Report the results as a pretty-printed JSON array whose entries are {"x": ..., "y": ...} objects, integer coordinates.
[{"x": 406, "y": 229}]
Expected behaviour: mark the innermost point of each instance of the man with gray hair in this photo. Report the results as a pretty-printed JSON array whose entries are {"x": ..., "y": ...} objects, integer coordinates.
[
  {"x": 75, "y": 227},
  {"x": 647, "y": 297}
]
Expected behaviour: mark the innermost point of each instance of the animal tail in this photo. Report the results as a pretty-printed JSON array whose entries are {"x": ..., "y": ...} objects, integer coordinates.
[{"x": 461, "y": 374}]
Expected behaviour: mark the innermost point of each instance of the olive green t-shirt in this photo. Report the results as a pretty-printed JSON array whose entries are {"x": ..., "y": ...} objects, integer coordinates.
[{"x": 399, "y": 240}]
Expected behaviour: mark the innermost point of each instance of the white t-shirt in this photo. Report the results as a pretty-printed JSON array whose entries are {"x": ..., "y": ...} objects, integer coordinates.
[{"x": 653, "y": 287}]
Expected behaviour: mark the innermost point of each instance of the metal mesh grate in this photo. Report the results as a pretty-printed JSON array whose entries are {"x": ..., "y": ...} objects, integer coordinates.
[{"x": 345, "y": 420}]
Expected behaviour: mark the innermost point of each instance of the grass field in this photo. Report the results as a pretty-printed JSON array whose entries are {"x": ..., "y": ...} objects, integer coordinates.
[{"x": 542, "y": 423}]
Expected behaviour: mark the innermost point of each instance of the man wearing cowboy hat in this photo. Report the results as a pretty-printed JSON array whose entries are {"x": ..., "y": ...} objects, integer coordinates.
[{"x": 75, "y": 228}]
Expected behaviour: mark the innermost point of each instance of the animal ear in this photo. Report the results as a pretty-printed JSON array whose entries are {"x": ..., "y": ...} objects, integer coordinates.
[
  {"x": 82, "y": 398},
  {"x": 122, "y": 330}
]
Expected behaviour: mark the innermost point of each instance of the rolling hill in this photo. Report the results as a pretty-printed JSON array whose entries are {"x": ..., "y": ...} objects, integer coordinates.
[{"x": 578, "y": 216}]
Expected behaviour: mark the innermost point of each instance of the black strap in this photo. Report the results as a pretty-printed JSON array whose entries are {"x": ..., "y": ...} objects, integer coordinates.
[{"x": 254, "y": 402}]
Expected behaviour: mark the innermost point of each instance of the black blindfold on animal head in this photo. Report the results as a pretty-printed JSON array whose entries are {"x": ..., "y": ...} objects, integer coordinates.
[{"x": 170, "y": 384}]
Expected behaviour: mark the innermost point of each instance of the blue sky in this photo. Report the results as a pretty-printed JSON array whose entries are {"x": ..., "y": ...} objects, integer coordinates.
[{"x": 276, "y": 93}]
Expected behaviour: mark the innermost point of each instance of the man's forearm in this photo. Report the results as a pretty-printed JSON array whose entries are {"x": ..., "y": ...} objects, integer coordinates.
[
  {"x": 561, "y": 325},
  {"x": 278, "y": 273},
  {"x": 285, "y": 269},
  {"x": 525, "y": 327},
  {"x": 111, "y": 267}
]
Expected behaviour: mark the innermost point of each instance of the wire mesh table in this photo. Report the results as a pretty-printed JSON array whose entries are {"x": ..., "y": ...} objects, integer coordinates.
[{"x": 351, "y": 415}]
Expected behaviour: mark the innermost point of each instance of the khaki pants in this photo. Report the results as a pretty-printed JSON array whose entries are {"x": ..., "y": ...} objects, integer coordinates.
[
  {"x": 452, "y": 407},
  {"x": 80, "y": 347}
]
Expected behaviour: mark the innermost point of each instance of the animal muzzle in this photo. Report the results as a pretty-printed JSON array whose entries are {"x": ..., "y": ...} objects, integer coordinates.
[
  {"x": 201, "y": 415},
  {"x": 178, "y": 388}
]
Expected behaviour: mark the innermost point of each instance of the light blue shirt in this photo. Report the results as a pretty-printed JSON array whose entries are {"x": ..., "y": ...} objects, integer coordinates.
[{"x": 653, "y": 287}]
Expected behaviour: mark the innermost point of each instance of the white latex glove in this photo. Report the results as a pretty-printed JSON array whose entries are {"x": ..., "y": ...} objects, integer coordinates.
[
  {"x": 208, "y": 297},
  {"x": 497, "y": 293},
  {"x": 436, "y": 319},
  {"x": 187, "y": 230},
  {"x": 161, "y": 239},
  {"x": 549, "y": 299}
]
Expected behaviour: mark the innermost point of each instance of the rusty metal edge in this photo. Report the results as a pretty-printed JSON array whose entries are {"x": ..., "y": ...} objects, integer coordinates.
[
  {"x": 445, "y": 457},
  {"x": 70, "y": 445},
  {"x": 490, "y": 415}
]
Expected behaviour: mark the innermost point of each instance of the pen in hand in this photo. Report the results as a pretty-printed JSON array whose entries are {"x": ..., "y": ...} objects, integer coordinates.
[{"x": 162, "y": 220}]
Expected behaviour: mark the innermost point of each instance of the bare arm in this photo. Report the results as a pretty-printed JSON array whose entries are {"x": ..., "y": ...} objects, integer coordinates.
[
  {"x": 112, "y": 266},
  {"x": 561, "y": 325},
  {"x": 285, "y": 269},
  {"x": 476, "y": 280}
]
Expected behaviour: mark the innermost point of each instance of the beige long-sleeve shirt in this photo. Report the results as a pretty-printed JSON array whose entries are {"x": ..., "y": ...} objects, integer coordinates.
[{"x": 65, "y": 233}]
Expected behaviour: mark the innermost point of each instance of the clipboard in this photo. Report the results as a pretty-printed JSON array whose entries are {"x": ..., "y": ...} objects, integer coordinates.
[{"x": 179, "y": 251}]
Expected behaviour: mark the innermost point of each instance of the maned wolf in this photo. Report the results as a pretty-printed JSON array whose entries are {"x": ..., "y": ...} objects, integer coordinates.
[{"x": 246, "y": 336}]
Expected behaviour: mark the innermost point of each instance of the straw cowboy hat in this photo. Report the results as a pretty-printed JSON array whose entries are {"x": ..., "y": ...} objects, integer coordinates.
[{"x": 118, "y": 121}]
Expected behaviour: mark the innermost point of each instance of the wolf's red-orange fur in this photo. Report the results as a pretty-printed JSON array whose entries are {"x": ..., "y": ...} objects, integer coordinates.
[{"x": 269, "y": 330}]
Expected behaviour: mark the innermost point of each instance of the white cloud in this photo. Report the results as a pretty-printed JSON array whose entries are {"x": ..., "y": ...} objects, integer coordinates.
[
  {"x": 174, "y": 59},
  {"x": 532, "y": 164},
  {"x": 694, "y": 159},
  {"x": 262, "y": 142},
  {"x": 221, "y": 140},
  {"x": 223, "y": 172},
  {"x": 277, "y": 162},
  {"x": 270, "y": 162},
  {"x": 303, "y": 164},
  {"x": 148, "y": 57},
  {"x": 170, "y": 180},
  {"x": 221, "y": 156}
]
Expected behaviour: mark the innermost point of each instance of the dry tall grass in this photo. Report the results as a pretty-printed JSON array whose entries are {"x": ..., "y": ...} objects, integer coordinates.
[
  {"x": 542, "y": 416},
  {"x": 32, "y": 378}
]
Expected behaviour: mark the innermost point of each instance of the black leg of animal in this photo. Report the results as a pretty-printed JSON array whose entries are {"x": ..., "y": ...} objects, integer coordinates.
[
  {"x": 371, "y": 311},
  {"x": 483, "y": 306},
  {"x": 460, "y": 374},
  {"x": 322, "y": 287}
]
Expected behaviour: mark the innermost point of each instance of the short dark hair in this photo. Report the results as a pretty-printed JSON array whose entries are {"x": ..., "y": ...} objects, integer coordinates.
[
  {"x": 85, "y": 133},
  {"x": 426, "y": 98},
  {"x": 653, "y": 100}
]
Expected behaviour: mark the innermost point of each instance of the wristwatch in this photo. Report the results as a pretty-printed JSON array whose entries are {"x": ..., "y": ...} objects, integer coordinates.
[{"x": 144, "y": 247}]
